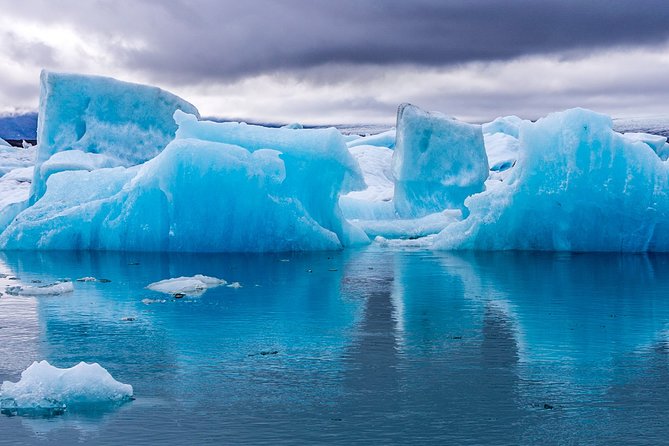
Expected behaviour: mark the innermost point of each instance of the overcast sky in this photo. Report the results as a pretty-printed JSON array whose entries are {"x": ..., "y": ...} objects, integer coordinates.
[{"x": 351, "y": 61}]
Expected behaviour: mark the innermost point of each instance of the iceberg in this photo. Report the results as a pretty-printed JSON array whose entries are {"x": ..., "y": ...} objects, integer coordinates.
[
  {"x": 279, "y": 192},
  {"x": 4, "y": 143},
  {"x": 191, "y": 286},
  {"x": 577, "y": 186},
  {"x": 130, "y": 123},
  {"x": 43, "y": 387},
  {"x": 437, "y": 163}
]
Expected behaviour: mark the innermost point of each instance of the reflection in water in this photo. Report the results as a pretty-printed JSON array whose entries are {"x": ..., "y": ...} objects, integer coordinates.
[{"x": 357, "y": 347}]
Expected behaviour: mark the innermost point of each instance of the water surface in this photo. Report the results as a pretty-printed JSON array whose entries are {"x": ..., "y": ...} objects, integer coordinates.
[{"x": 360, "y": 346}]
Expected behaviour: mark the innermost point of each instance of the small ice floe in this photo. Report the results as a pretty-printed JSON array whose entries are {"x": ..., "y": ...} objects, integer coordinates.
[
  {"x": 44, "y": 388},
  {"x": 87, "y": 279},
  {"x": 235, "y": 285},
  {"x": 53, "y": 289},
  {"x": 153, "y": 301},
  {"x": 187, "y": 286}
]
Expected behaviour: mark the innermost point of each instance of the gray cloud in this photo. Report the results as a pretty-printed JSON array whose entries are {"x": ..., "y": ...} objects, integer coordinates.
[
  {"x": 192, "y": 41},
  {"x": 343, "y": 61}
]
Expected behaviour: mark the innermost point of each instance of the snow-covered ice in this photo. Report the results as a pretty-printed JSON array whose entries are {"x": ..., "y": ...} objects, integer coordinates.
[
  {"x": 43, "y": 386},
  {"x": 15, "y": 157}
]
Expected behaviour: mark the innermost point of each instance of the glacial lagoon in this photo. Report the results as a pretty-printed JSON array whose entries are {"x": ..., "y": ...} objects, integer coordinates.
[{"x": 359, "y": 346}]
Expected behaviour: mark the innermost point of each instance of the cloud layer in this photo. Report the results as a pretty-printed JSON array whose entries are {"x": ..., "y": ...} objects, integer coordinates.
[{"x": 348, "y": 61}]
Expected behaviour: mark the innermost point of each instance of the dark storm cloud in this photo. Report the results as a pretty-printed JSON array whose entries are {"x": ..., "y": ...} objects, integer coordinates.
[{"x": 192, "y": 41}]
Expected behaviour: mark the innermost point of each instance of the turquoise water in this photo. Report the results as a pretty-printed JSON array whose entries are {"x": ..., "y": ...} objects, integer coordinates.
[{"x": 361, "y": 346}]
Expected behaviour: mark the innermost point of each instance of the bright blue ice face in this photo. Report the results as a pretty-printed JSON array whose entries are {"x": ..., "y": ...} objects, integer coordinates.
[
  {"x": 437, "y": 163},
  {"x": 407, "y": 347},
  {"x": 577, "y": 186},
  {"x": 129, "y": 123}
]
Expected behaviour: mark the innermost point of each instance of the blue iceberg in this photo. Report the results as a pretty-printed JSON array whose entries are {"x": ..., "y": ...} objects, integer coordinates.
[
  {"x": 437, "y": 163},
  {"x": 577, "y": 186},
  {"x": 129, "y": 122}
]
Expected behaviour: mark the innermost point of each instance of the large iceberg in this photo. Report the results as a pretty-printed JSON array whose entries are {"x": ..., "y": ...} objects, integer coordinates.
[
  {"x": 127, "y": 122},
  {"x": 277, "y": 190},
  {"x": 45, "y": 387},
  {"x": 577, "y": 186},
  {"x": 437, "y": 163}
]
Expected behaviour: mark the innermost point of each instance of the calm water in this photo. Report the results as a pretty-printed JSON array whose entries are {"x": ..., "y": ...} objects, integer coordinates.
[{"x": 373, "y": 346}]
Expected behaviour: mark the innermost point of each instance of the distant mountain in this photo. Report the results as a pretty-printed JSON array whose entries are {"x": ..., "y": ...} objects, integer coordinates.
[{"x": 19, "y": 127}]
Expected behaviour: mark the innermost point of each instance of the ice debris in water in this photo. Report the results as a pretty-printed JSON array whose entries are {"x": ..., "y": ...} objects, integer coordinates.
[
  {"x": 43, "y": 387},
  {"x": 191, "y": 286},
  {"x": 53, "y": 289}
]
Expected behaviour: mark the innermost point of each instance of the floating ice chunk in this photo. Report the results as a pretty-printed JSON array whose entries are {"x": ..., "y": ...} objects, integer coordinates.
[
  {"x": 383, "y": 139},
  {"x": 508, "y": 125},
  {"x": 437, "y": 163},
  {"x": 234, "y": 285},
  {"x": 577, "y": 186},
  {"x": 656, "y": 142},
  {"x": 87, "y": 279},
  {"x": 195, "y": 285},
  {"x": 4, "y": 143},
  {"x": 129, "y": 122},
  {"x": 153, "y": 301},
  {"x": 54, "y": 289},
  {"x": 43, "y": 387}
]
